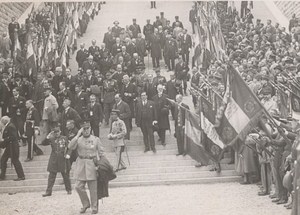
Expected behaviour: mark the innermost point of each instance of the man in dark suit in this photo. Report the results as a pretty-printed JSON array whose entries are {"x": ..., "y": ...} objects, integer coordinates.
[
  {"x": 5, "y": 93},
  {"x": 162, "y": 106},
  {"x": 68, "y": 113},
  {"x": 192, "y": 17},
  {"x": 89, "y": 64},
  {"x": 32, "y": 124},
  {"x": 57, "y": 78},
  {"x": 180, "y": 123},
  {"x": 173, "y": 88},
  {"x": 129, "y": 94},
  {"x": 9, "y": 141},
  {"x": 81, "y": 55},
  {"x": 124, "y": 113},
  {"x": 177, "y": 20},
  {"x": 185, "y": 46},
  {"x": 117, "y": 47},
  {"x": 70, "y": 80},
  {"x": 148, "y": 30},
  {"x": 146, "y": 118},
  {"x": 17, "y": 112},
  {"x": 141, "y": 47},
  {"x": 63, "y": 94},
  {"x": 94, "y": 51},
  {"x": 95, "y": 115},
  {"x": 81, "y": 100},
  {"x": 170, "y": 51},
  {"x": 89, "y": 80},
  {"x": 109, "y": 39}
]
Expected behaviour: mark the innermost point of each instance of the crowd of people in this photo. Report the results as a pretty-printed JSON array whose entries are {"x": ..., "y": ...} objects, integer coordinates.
[
  {"x": 112, "y": 88},
  {"x": 267, "y": 57}
]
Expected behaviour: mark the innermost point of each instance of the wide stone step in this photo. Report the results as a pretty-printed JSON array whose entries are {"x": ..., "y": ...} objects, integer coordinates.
[
  {"x": 42, "y": 180},
  {"x": 113, "y": 184},
  {"x": 41, "y": 172}
]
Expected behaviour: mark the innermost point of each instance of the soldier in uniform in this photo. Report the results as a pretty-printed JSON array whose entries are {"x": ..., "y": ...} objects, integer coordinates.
[
  {"x": 124, "y": 113},
  {"x": 135, "y": 29},
  {"x": 159, "y": 79},
  {"x": 170, "y": 52},
  {"x": 148, "y": 31},
  {"x": 110, "y": 88},
  {"x": 57, "y": 161},
  {"x": 17, "y": 112},
  {"x": 117, "y": 134},
  {"x": 116, "y": 29},
  {"x": 89, "y": 148},
  {"x": 95, "y": 115},
  {"x": 32, "y": 130}
]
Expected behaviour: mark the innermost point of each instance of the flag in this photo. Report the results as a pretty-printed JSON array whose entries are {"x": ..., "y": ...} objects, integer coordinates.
[
  {"x": 18, "y": 50},
  {"x": 64, "y": 59},
  {"x": 193, "y": 138},
  {"x": 295, "y": 102},
  {"x": 242, "y": 112},
  {"x": 211, "y": 140},
  {"x": 31, "y": 59}
]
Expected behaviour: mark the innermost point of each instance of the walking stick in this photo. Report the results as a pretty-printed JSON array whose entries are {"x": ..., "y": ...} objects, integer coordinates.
[{"x": 127, "y": 154}]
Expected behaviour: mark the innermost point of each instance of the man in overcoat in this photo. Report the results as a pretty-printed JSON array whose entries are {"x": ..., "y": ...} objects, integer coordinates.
[
  {"x": 124, "y": 113},
  {"x": 162, "y": 106},
  {"x": 155, "y": 47}
]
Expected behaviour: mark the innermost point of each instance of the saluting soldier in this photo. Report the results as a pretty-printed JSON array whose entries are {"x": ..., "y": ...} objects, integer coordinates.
[
  {"x": 89, "y": 148},
  {"x": 57, "y": 161},
  {"x": 110, "y": 88},
  {"x": 32, "y": 130}
]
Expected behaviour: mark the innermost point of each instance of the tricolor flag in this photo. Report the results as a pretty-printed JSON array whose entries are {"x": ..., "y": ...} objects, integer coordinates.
[
  {"x": 211, "y": 140},
  {"x": 17, "y": 52},
  {"x": 31, "y": 59},
  {"x": 193, "y": 138},
  {"x": 242, "y": 112}
]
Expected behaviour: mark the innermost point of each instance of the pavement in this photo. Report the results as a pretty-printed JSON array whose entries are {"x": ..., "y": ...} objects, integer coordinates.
[{"x": 209, "y": 199}]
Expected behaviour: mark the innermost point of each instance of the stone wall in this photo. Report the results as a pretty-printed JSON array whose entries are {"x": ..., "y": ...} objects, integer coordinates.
[
  {"x": 9, "y": 10},
  {"x": 288, "y": 8}
]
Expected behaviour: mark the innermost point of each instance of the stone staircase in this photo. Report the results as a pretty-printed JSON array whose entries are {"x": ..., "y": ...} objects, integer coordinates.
[
  {"x": 9, "y": 10},
  {"x": 162, "y": 168}
]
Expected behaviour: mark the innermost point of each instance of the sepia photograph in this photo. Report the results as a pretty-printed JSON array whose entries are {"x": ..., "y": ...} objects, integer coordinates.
[{"x": 150, "y": 107}]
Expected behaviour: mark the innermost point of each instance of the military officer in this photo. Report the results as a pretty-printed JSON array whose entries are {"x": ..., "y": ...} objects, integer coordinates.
[
  {"x": 32, "y": 130},
  {"x": 116, "y": 29},
  {"x": 134, "y": 28},
  {"x": 57, "y": 161},
  {"x": 148, "y": 31},
  {"x": 89, "y": 148},
  {"x": 110, "y": 88}
]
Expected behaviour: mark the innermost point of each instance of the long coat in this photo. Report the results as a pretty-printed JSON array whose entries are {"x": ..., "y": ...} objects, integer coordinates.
[
  {"x": 162, "y": 106},
  {"x": 86, "y": 147},
  {"x": 170, "y": 49},
  {"x": 57, "y": 161},
  {"x": 155, "y": 46},
  {"x": 131, "y": 94}
]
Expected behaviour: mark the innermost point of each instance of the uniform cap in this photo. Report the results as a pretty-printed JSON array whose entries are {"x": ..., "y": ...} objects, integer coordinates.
[
  {"x": 85, "y": 124},
  {"x": 115, "y": 111},
  {"x": 116, "y": 22}
]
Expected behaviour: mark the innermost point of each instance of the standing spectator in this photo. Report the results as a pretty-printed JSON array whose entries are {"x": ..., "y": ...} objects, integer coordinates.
[
  {"x": 57, "y": 78},
  {"x": 81, "y": 55},
  {"x": 293, "y": 22},
  {"x": 124, "y": 113},
  {"x": 5, "y": 44},
  {"x": 57, "y": 161},
  {"x": 141, "y": 47},
  {"x": 148, "y": 31},
  {"x": 116, "y": 29},
  {"x": 89, "y": 64},
  {"x": 31, "y": 126},
  {"x": 180, "y": 123},
  {"x": 185, "y": 46},
  {"x": 117, "y": 47},
  {"x": 163, "y": 20},
  {"x": 17, "y": 112},
  {"x": 80, "y": 100},
  {"x": 134, "y": 28},
  {"x": 109, "y": 39},
  {"x": 162, "y": 106},
  {"x": 9, "y": 141},
  {"x": 110, "y": 88},
  {"x": 5, "y": 93},
  {"x": 13, "y": 27},
  {"x": 146, "y": 118},
  {"x": 177, "y": 20},
  {"x": 94, "y": 51},
  {"x": 157, "y": 22},
  {"x": 155, "y": 48},
  {"x": 95, "y": 115},
  {"x": 117, "y": 134},
  {"x": 68, "y": 113},
  {"x": 89, "y": 148},
  {"x": 170, "y": 51},
  {"x": 128, "y": 94},
  {"x": 193, "y": 17}
]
